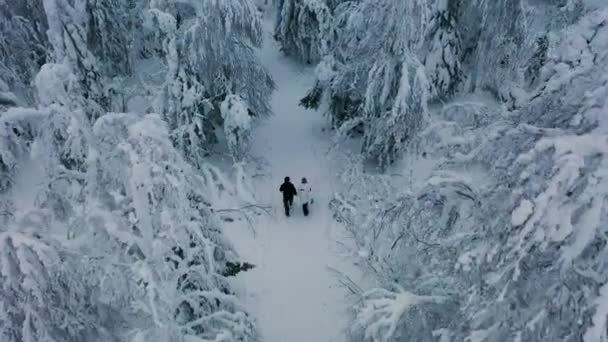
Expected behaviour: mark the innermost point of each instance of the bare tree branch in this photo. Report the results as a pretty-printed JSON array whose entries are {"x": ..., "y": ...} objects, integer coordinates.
[
  {"x": 247, "y": 211},
  {"x": 346, "y": 281},
  {"x": 265, "y": 208}
]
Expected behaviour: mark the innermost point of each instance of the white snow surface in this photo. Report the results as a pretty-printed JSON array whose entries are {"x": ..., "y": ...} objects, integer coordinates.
[
  {"x": 522, "y": 213},
  {"x": 293, "y": 292}
]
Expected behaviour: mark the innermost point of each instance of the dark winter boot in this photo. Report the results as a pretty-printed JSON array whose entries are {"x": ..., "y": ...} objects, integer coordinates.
[{"x": 305, "y": 209}]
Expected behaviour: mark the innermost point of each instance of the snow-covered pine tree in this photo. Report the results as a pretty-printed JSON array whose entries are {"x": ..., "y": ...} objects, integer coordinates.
[
  {"x": 392, "y": 118},
  {"x": 304, "y": 28},
  {"x": 44, "y": 293},
  {"x": 496, "y": 43},
  {"x": 500, "y": 216},
  {"x": 133, "y": 250},
  {"x": 54, "y": 136},
  {"x": 108, "y": 37},
  {"x": 163, "y": 229},
  {"x": 209, "y": 48},
  {"x": 92, "y": 37},
  {"x": 376, "y": 79},
  {"x": 68, "y": 30},
  {"x": 17, "y": 132},
  {"x": 46, "y": 283},
  {"x": 24, "y": 48},
  {"x": 131, "y": 217},
  {"x": 442, "y": 61}
]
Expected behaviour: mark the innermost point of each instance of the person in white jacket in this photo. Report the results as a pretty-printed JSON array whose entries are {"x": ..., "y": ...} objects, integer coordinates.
[{"x": 305, "y": 195}]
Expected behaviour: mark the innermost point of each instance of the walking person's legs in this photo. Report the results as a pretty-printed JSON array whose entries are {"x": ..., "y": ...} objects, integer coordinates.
[
  {"x": 305, "y": 208},
  {"x": 286, "y": 205}
]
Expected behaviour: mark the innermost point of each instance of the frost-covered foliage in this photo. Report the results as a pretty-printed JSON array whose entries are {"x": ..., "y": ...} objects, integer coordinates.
[
  {"x": 499, "y": 209},
  {"x": 442, "y": 61},
  {"x": 88, "y": 36},
  {"x": 107, "y": 230},
  {"x": 304, "y": 28},
  {"x": 165, "y": 225},
  {"x": 237, "y": 125},
  {"x": 373, "y": 77},
  {"x": 75, "y": 32},
  {"x": 209, "y": 48},
  {"x": 391, "y": 120},
  {"x": 464, "y": 45},
  {"x": 381, "y": 312},
  {"x": 43, "y": 289},
  {"x": 108, "y": 36},
  {"x": 24, "y": 48},
  {"x": 205, "y": 48}
]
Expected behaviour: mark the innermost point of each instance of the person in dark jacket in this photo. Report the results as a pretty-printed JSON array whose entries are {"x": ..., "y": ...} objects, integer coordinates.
[{"x": 289, "y": 191}]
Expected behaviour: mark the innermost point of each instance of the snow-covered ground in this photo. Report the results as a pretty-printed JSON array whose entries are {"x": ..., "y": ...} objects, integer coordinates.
[{"x": 292, "y": 292}]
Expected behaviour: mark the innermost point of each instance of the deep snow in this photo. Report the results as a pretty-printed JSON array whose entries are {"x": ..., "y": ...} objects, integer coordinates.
[{"x": 292, "y": 292}]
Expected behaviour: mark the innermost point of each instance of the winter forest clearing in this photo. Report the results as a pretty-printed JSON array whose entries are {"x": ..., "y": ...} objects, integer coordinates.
[{"x": 456, "y": 152}]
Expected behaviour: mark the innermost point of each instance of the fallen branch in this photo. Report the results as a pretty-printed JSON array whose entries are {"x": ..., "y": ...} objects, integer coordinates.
[
  {"x": 346, "y": 281},
  {"x": 266, "y": 209},
  {"x": 244, "y": 212}
]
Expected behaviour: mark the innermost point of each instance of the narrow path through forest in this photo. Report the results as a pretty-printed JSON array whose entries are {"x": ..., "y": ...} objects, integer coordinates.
[{"x": 292, "y": 292}]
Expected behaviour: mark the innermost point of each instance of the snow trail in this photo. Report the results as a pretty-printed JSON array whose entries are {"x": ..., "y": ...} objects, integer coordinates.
[{"x": 291, "y": 292}]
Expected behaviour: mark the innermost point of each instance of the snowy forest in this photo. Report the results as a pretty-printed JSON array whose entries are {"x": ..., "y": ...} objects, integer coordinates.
[{"x": 462, "y": 158}]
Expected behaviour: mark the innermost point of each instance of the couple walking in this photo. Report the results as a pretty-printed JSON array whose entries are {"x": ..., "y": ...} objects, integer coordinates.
[{"x": 289, "y": 191}]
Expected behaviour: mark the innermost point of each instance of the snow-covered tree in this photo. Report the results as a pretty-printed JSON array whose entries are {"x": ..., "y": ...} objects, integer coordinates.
[
  {"x": 44, "y": 293},
  {"x": 68, "y": 31},
  {"x": 165, "y": 228},
  {"x": 107, "y": 232},
  {"x": 498, "y": 36},
  {"x": 135, "y": 225},
  {"x": 24, "y": 48},
  {"x": 393, "y": 119},
  {"x": 93, "y": 38},
  {"x": 304, "y": 28},
  {"x": 442, "y": 61},
  {"x": 502, "y": 213},
  {"x": 108, "y": 36},
  {"x": 208, "y": 49},
  {"x": 472, "y": 46},
  {"x": 210, "y": 55},
  {"x": 375, "y": 77},
  {"x": 237, "y": 125}
]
